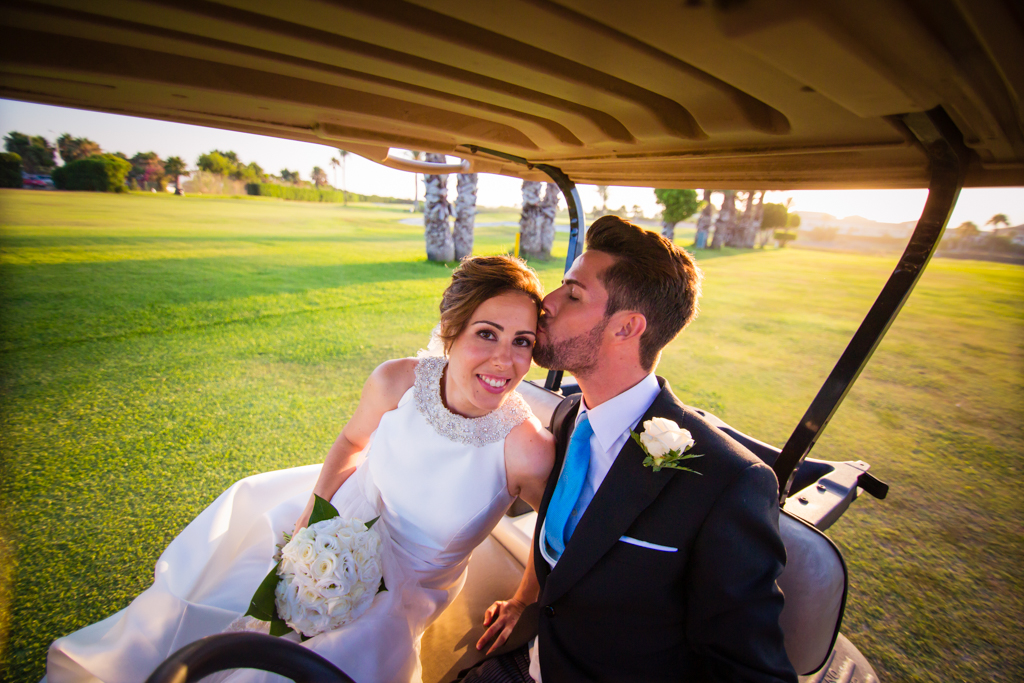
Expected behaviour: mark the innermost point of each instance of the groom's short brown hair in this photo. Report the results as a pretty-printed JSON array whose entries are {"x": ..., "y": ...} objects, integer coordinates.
[{"x": 652, "y": 276}]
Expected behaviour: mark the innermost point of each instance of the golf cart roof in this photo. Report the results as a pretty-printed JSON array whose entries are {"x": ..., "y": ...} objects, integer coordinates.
[{"x": 725, "y": 93}]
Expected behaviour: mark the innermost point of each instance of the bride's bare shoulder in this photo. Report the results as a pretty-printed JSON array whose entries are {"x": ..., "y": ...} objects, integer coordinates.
[
  {"x": 531, "y": 447},
  {"x": 390, "y": 380}
]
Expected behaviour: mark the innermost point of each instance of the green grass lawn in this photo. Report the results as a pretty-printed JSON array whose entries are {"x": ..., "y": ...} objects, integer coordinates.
[{"x": 154, "y": 349}]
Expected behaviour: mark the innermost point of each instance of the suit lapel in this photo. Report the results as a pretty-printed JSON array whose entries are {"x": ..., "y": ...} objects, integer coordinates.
[{"x": 627, "y": 490}]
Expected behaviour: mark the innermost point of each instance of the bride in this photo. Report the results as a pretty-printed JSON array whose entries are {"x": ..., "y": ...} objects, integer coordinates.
[{"x": 439, "y": 447}]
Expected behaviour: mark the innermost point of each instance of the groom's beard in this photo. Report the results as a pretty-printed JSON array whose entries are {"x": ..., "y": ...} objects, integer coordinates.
[{"x": 578, "y": 355}]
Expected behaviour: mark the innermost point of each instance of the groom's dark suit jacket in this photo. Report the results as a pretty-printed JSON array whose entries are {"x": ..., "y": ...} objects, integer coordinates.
[{"x": 614, "y": 611}]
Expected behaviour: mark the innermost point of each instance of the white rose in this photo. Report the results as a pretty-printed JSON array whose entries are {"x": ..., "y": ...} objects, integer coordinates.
[
  {"x": 347, "y": 567},
  {"x": 328, "y": 526},
  {"x": 369, "y": 570},
  {"x": 333, "y": 586},
  {"x": 287, "y": 599},
  {"x": 323, "y": 566},
  {"x": 340, "y": 606},
  {"x": 304, "y": 550},
  {"x": 325, "y": 541},
  {"x": 661, "y": 436},
  {"x": 287, "y": 566}
]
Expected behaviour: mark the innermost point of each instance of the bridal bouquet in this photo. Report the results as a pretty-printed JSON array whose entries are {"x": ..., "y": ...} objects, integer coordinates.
[{"x": 327, "y": 576}]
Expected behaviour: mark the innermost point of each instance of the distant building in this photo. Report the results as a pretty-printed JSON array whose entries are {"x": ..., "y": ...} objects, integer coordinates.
[
  {"x": 854, "y": 226},
  {"x": 1016, "y": 233}
]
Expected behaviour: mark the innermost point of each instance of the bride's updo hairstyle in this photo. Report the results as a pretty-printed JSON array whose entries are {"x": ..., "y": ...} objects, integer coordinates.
[{"x": 477, "y": 279}]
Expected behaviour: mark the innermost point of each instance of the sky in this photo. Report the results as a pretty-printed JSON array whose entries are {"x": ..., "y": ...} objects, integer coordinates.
[{"x": 116, "y": 133}]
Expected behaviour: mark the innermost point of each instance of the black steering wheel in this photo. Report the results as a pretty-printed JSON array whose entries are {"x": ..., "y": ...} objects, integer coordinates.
[{"x": 247, "y": 651}]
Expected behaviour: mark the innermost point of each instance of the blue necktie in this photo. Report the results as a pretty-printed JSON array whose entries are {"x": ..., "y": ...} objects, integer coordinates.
[{"x": 567, "y": 490}]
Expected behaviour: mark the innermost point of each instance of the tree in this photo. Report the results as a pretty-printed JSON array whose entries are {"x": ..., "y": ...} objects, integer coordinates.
[
  {"x": 744, "y": 233},
  {"x": 344, "y": 192},
  {"x": 318, "y": 176},
  {"x": 726, "y": 219},
  {"x": 38, "y": 156},
  {"x": 218, "y": 162},
  {"x": 679, "y": 205},
  {"x": 531, "y": 241},
  {"x": 148, "y": 171},
  {"x": 251, "y": 173},
  {"x": 548, "y": 213},
  {"x": 73, "y": 149},
  {"x": 465, "y": 215},
  {"x": 335, "y": 164},
  {"x": 999, "y": 218},
  {"x": 700, "y": 240},
  {"x": 290, "y": 176},
  {"x": 174, "y": 167},
  {"x": 10, "y": 170},
  {"x": 775, "y": 216},
  {"x": 437, "y": 210}
]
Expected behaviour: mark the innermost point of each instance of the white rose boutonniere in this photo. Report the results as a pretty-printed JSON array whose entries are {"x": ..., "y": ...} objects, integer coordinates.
[{"x": 665, "y": 444}]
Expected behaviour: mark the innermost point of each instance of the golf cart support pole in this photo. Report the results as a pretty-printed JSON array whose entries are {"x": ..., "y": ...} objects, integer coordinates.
[
  {"x": 947, "y": 157},
  {"x": 577, "y": 229}
]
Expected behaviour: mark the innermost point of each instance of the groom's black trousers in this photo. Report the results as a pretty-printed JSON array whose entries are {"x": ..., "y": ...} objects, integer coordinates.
[{"x": 510, "y": 667}]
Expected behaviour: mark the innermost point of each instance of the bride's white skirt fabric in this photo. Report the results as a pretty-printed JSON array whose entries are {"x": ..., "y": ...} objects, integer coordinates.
[{"x": 207, "y": 575}]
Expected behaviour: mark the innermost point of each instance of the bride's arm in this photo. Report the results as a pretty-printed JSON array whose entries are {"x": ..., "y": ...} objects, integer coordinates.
[
  {"x": 529, "y": 456},
  {"x": 383, "y": 390},
  {"x": 501, "y": 617}
]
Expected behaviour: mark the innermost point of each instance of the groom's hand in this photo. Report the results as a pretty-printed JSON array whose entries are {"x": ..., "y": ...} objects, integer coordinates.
[{"x": 500, "y": 618}]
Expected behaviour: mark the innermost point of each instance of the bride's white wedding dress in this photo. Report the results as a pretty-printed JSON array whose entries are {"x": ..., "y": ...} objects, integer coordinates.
[{"x": 436, "y": 479}]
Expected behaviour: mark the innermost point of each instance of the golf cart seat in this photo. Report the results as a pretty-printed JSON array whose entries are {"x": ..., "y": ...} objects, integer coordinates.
[{"x": 814, "y": 583}]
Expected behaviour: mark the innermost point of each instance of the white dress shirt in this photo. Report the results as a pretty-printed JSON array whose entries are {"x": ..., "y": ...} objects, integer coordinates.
[{"x": 611, "y": 422}]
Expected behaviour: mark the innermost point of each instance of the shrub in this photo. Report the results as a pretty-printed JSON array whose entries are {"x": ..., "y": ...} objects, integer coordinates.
[
  {"x": 302, "y": 194},
  {"x": 10, "y": 170},
  {"x": 311, "y": 194},
  {"x": 103, "y": 173},
  {"x": 783, "y": 237}
]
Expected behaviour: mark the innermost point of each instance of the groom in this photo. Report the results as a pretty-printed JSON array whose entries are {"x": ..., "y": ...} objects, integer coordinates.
[{"x": 641, "y": 575}]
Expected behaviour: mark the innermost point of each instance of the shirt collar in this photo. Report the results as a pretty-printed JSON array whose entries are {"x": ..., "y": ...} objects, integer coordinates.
[{"x": 613, "y": 417}]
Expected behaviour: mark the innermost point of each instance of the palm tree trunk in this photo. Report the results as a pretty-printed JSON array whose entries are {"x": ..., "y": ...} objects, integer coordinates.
[
  {"x": 548, "y": 212},
  {"x": 704, "y": 223},
  {"x": 440, "y": 246},
  {"x": 531, "y": 243},
  {"x": 465, "y": 215},
  {"x": 726, "y": 219},
  {"x": 668, "y": 230}
]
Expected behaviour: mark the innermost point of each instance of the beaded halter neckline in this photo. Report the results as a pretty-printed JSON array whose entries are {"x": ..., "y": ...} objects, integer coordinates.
[{"x": 472, "y": 431}]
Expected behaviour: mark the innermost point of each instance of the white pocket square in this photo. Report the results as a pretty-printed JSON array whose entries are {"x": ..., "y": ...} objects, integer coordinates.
[{"x": 645, "y": 544}]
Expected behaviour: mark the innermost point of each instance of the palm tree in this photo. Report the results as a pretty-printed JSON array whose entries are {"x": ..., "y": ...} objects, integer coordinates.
[
  {"x": 344, "y": 193},
  {"x": 726, "y": 222},
  {"x": 335, "y": 163},
  {"x": 548, "y": 212},
  {"x": 465, "y": 215},
  {"x": 999, "y": 219},
  {"x": 318, "y": 176},
  {"x": 704, "y": 222},
  {"x": 531, "y": 241},
  {"x": 436, "y": 210}
]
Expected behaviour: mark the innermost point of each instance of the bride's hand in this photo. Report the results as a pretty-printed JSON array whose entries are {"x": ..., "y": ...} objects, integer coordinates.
[
  {"x": 500, "y": 618},
  {"x": 303, "y": 520}
]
